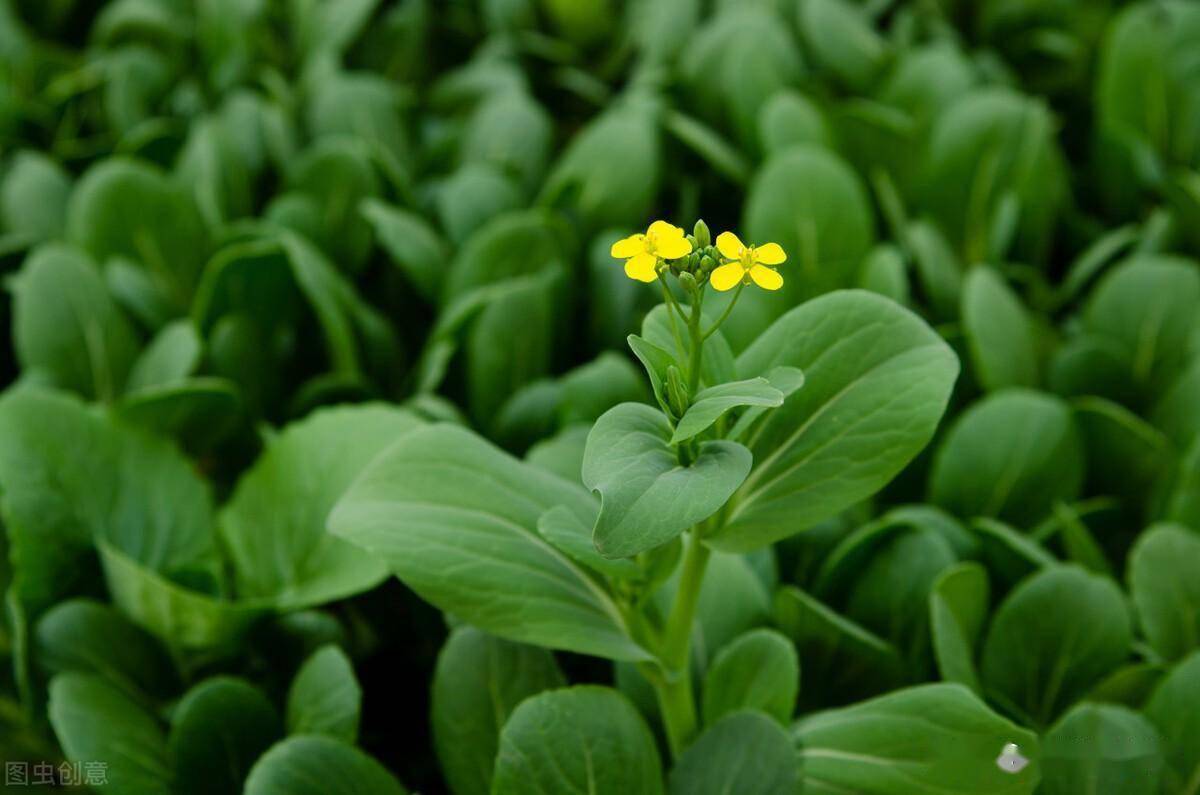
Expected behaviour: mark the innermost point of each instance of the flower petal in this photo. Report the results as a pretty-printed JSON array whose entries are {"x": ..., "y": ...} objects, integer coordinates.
[
  {"x": 729, "y": 245},
  {"x": 642, "y": 267},
  {"x": 672, "y": 246},
  {"x": 661, "y": 229},
  {"x": 770, "y": 254},
  {"x": 629, "y": 247},
  {"x": 727, "y": 276},
  {"x": 766, "y": 278}
]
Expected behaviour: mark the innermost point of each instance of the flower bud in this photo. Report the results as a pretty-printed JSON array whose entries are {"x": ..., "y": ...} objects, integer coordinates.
[
  {"x": 701, "y": 234},
  {"x": 707, "y": 264},
  {"x": 688, "y": 282}
]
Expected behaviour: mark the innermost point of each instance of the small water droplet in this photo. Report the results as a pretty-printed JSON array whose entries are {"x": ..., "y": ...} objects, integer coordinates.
[{"x": 1010, "y": 759}]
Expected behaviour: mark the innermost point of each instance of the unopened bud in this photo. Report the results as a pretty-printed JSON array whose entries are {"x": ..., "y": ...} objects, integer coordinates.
[
  {"x": 707, "y": 264},
  {"x": 701, "y": 234},
  {"x": 688, "y": 282},
  {"x": 677, "y": 391}
]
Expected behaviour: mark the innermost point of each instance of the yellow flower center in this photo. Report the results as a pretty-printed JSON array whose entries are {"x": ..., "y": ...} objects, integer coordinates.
[{"x": 747, "y": 257}]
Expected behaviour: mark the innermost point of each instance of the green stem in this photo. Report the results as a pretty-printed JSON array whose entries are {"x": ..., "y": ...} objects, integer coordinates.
[
  {"x": 697, "y": 351},
  {"x": 674, "y": 688},
  {"x": 672, "y": 308},
  {"x": 724, "y": 314}
]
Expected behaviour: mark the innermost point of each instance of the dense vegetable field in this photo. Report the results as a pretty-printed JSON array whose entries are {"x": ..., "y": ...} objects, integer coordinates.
[{"x": 380, "y": 416}]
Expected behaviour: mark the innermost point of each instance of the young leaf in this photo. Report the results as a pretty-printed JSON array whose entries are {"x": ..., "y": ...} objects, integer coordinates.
[
  {"x": 646, "y": 496},
  {"x": 479, "y": 680},
  {"x": 325, "y": 697},
  {"x": 218, "y": 730},
  {"x": 709, "y": 405},
  {"x": 586, "y": 739},
  {"x": 317, "y": 765},
  {"x": 170, "y": 357},
  {"x": 745, "y": 752},
  {"x": 876, "y": 383},
  {"x": 1101, "y": 747},
  {"x": 455, "y": 519},
  {"x": 759, "y": 670},
  {"x": 1164, "y": 581},
  {"x": 1055, "y": 636},
  {"x": 914, "y": 740},
  {"x": 96, "y": 721}
]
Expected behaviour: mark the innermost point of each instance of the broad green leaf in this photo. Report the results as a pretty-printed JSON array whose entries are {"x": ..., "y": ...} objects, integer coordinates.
[
  {"x": 1174, "y": 412},
  {"x": 67, "y": 331},
  {"x": 512, "y": 131},
  {"x": 1009, "y": 553},
  {"x": 33, "y": 197},
  {"x": 562, "y": 454},
  {"x": 999, "y": 332},
  {"x": 335, "y": 174},
  {"x": 1055, "y": 636},
  {"x": 1101, "y": 748},
  {"x": 95, "y": 721},
  {"x": 171, "y": 356},
  {"x": 789, "y": 118},
  {"x": 1145, "y": 310},
  {"x": 479, "y": 680},
  {"x": 324, "y": 697},
  {"x": 455, "y": 519},
  {"x": 915, "y": 740},
  {"x": 842, "y": 660},
  {"x": 1125, "y": 454},
  {"x": 580, "y": 739},
  {"x": 1174, "y": 708},
  {"x": 1012, "y": 455},
  {"x": 759, "y": 670},
  {"x": 274, "y": 525},
  {"x": 938, "y": 269},
  {"x": 1129, "y": 685},
  {"x": 198, "y": 412},
  {"x": 958, "y": 608},
  {"x": 1164, "y": 582},
  {"x": 744, "y": 752},
  {"x": 877, "y": 380},
  {"x": 218, "y": 730},
  {"x": 127, "y": 208},
  {"x": 647, "y": 497},
  {"x": 734, "y": 598},
  {"x": 316, "y": 765},
  {"x": 469, "y": 198},
  {"x": 84, "y": 636},
  {"x": 709, "y": 405}
]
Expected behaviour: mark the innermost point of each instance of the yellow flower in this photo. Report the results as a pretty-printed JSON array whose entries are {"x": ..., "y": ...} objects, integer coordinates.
[
  {"x": 748, "y": 261},
  {"x": 642, "y": 252}
]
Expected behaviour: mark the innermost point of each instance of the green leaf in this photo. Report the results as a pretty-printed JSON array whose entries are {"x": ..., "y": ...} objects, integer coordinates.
[
  {"x": 709, "y": 405},
  {"x": 218, "y": 730},
  {"x": 585, "y": 739},
  {"x": 170, "y": 357},
  {"x": 914, "y": 740},
  {"x": 877, "y": 380},
  {"x": 199, "y": 412},
  {"x": 325, "y": 697},
  {"x": 84, "y": 636},
  {"x": 647, "y": 497},
  {"x": 1164, "y": 581},
  {"x": 573, "y": 537},
  {"x": 1012, "y": 455},
  {"x": 842, "y": 660},
  {"x": 1174, "y": 708},
  {"x": 1056, "y": 635},
  {"x": 1101, "y": 748},
  {"x": 843, "y": 41},
  {"x": 745, "y": 752},
  {"x": 286, "y": 556},
  {"x": 999, "y": 332},
  {"x": 455, "y": 519},
  {"x": 97, "y": 722},
  {"x": 479, "y": 680},
  {"x": 33, "y": 197},
  {"x": 66, "y": 328},
  {"x": 127, "y": 208},
  {"x": 659, "y": 328},
  {"x": 412, "y": 244},
  {"x": 759, "y": 670},
  {"x": 317, "y": 765},
  {"x": 958, "y": 608}
]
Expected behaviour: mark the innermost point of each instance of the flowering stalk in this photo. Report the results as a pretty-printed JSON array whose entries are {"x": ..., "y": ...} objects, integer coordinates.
[{"x": 696, "y": 263}]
